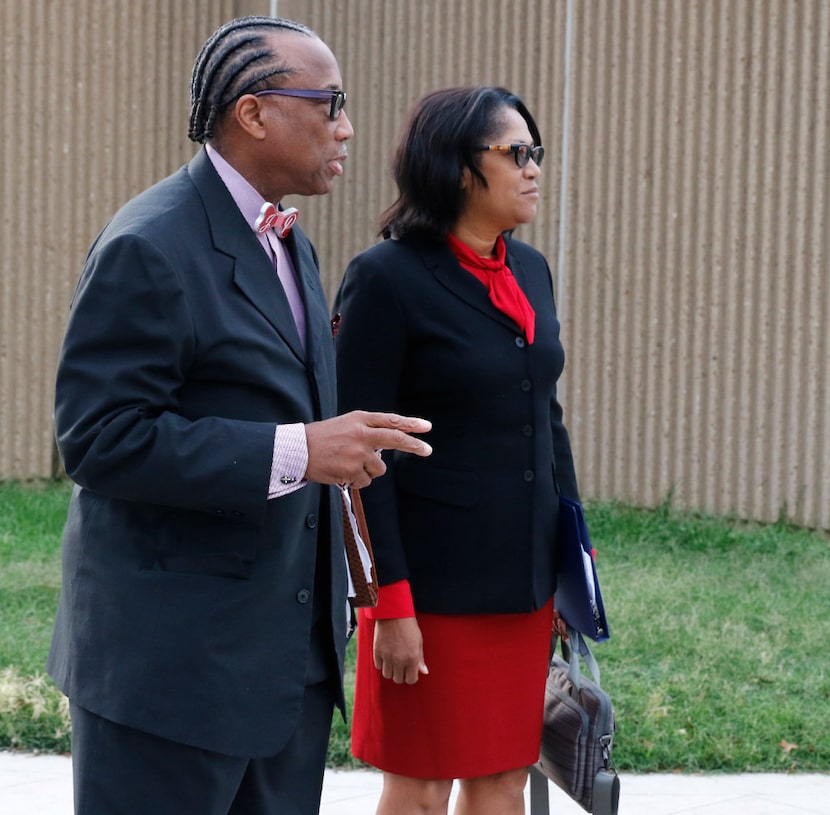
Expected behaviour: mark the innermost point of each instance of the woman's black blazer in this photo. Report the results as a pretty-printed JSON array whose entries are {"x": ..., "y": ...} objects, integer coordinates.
[{"x": 473, "y": 527}]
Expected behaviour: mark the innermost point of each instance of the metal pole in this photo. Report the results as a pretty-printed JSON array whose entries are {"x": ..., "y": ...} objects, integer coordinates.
[{"x": 561, "y": 270}]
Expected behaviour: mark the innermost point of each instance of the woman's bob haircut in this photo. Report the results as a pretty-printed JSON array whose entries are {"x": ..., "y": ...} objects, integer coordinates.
[{"x": 438, "y": 142}]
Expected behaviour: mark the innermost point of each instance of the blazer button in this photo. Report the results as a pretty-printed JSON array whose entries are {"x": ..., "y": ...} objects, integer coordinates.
[
  {"x": 303, "y": 596},
  {"x": 520, "y": 342},
  {"x": 311, "y": 521},
  {"x": 528, "y": 475},
  {"x": 527, "y": 430},
  {"x": 526, "y": 385}
]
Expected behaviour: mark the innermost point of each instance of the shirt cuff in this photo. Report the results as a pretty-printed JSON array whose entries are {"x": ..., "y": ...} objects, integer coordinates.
[
  {"x": 394, "y": 602},
  {"x": 289, "y": 461}
]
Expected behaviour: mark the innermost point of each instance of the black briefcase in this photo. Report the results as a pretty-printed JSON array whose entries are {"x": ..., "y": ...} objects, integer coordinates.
[{"x": 577, "y": 735}]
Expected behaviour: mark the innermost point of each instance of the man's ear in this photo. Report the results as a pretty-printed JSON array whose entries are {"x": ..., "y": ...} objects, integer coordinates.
[{"x": 248, "y": 114}]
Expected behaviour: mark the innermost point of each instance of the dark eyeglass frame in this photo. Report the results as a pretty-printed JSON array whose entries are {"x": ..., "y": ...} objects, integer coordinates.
[
  {"x": 338, "y": 98},
  {"x": 522, "y": 153}
]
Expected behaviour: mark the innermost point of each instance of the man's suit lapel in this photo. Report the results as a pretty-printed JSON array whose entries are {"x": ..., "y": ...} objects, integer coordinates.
[
  {"x": 254, "y": 272},
  {"x": 319, "y": 341},
  {"x": 308, "y": 279}
]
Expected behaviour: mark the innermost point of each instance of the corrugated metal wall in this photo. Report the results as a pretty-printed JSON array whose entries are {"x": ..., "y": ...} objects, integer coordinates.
[
  {"x": 94, "y": 105},
  {"x": 686, "y": 211},
  {"x": 393, "y": 52},
  {"x": 698, "y": 255},
  {"x": 693, "y": 271}
]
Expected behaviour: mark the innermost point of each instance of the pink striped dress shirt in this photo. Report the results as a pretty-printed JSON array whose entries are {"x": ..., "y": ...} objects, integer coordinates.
[{"x": 290, "y": 457}]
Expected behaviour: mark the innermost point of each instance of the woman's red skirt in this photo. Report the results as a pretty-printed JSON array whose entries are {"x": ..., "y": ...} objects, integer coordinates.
[{"x": 477, "y": 712}]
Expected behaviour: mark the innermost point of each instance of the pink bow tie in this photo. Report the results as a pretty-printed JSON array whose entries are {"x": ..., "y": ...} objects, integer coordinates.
[{"x": 280, "y": 221}]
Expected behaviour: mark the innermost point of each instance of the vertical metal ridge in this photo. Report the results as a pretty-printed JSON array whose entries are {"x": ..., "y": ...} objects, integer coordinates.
[
  {"x": 773, "y": 306},
  {"x": 647, "y": 35},
  {"x": 587, "y": 395},
  {"x": 755, "y": 228},
  {"x": 10, "y": 197},
  {"x": 779, "y": 344},
  {"x": 707, "y": 275},
  {"x": 817, "y": 442},
  {"x": 732, "y": 329},
  {"x": 798, "y": 88}
]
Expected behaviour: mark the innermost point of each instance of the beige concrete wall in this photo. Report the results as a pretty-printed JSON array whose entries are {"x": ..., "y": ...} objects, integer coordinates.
[{"x": 686, "y": 212}]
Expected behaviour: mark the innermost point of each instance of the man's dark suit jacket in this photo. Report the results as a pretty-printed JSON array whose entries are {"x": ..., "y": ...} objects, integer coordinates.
[
  {"x": 473, "y": 527},
  {"x": 187, "y": 597}
]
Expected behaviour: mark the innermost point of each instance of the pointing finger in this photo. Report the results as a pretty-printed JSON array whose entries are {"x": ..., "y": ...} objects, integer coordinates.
[
  {"x": 398, "y": 440},
  {"x": 393, "y": 421}
]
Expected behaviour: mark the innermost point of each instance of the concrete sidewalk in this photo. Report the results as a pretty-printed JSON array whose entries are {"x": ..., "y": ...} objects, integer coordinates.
[{"x": 42, "y": 785}]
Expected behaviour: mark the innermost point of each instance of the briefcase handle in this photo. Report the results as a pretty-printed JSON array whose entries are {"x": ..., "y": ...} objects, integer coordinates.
[{"x": 572, "y": 649}]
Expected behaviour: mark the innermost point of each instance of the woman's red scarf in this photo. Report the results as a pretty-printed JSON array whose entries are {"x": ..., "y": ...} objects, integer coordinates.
[{"x": 502, "y": 287}]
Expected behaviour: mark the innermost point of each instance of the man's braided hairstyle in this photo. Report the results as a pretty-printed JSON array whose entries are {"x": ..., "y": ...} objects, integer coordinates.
[{"x": 237, "y": 59}]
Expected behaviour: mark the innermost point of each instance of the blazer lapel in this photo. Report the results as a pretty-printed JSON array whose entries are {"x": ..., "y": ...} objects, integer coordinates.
[
  {"x": 254, "y": 272},
  {"x": 519, "y": 272},
  {"x": 461, "y": 283}
]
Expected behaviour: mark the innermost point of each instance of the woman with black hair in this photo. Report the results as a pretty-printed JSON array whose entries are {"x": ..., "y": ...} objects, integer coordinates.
[{"x": 453, "y": 319}]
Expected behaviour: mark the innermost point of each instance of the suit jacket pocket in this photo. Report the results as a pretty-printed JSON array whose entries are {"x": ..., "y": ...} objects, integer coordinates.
[
  {"x": 203, "y": 546},
  {"x": 455, "y": 487}
]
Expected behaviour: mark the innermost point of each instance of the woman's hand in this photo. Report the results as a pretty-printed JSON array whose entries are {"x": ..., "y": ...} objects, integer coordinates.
[
  {"x": 399, "y": 650},
  {"x": 560, "y": 627}
]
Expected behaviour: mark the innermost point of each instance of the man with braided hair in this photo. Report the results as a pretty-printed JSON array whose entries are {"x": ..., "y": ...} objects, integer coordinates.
[{"x": 202, "y": 622}]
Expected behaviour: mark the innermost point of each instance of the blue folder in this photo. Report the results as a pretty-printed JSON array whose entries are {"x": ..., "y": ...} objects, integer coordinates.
[{"x": 578, "y": 598}]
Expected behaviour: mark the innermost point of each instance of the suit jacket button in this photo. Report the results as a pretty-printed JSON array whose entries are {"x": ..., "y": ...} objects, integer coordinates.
[
  {"x": 311, "y": 521},
  {"x": 526, "y": 385},
  {"x": 520, "y": 342},
  {"x": 527, "y": 430},
  {"x": 303, "y": 596},
  {"x": 528, "y": 475}
]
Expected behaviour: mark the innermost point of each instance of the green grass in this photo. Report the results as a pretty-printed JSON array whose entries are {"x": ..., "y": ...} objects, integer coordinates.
[
  {"x": 719, "y": 651},
  {"x": 718, "y": 659},
  {"x": 33, "y": 714}
]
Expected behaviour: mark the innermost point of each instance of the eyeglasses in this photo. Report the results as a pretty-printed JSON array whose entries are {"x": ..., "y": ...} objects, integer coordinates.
[
  {"x": 338, "y": 98},
  {"x": 522, "y": 153}
]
